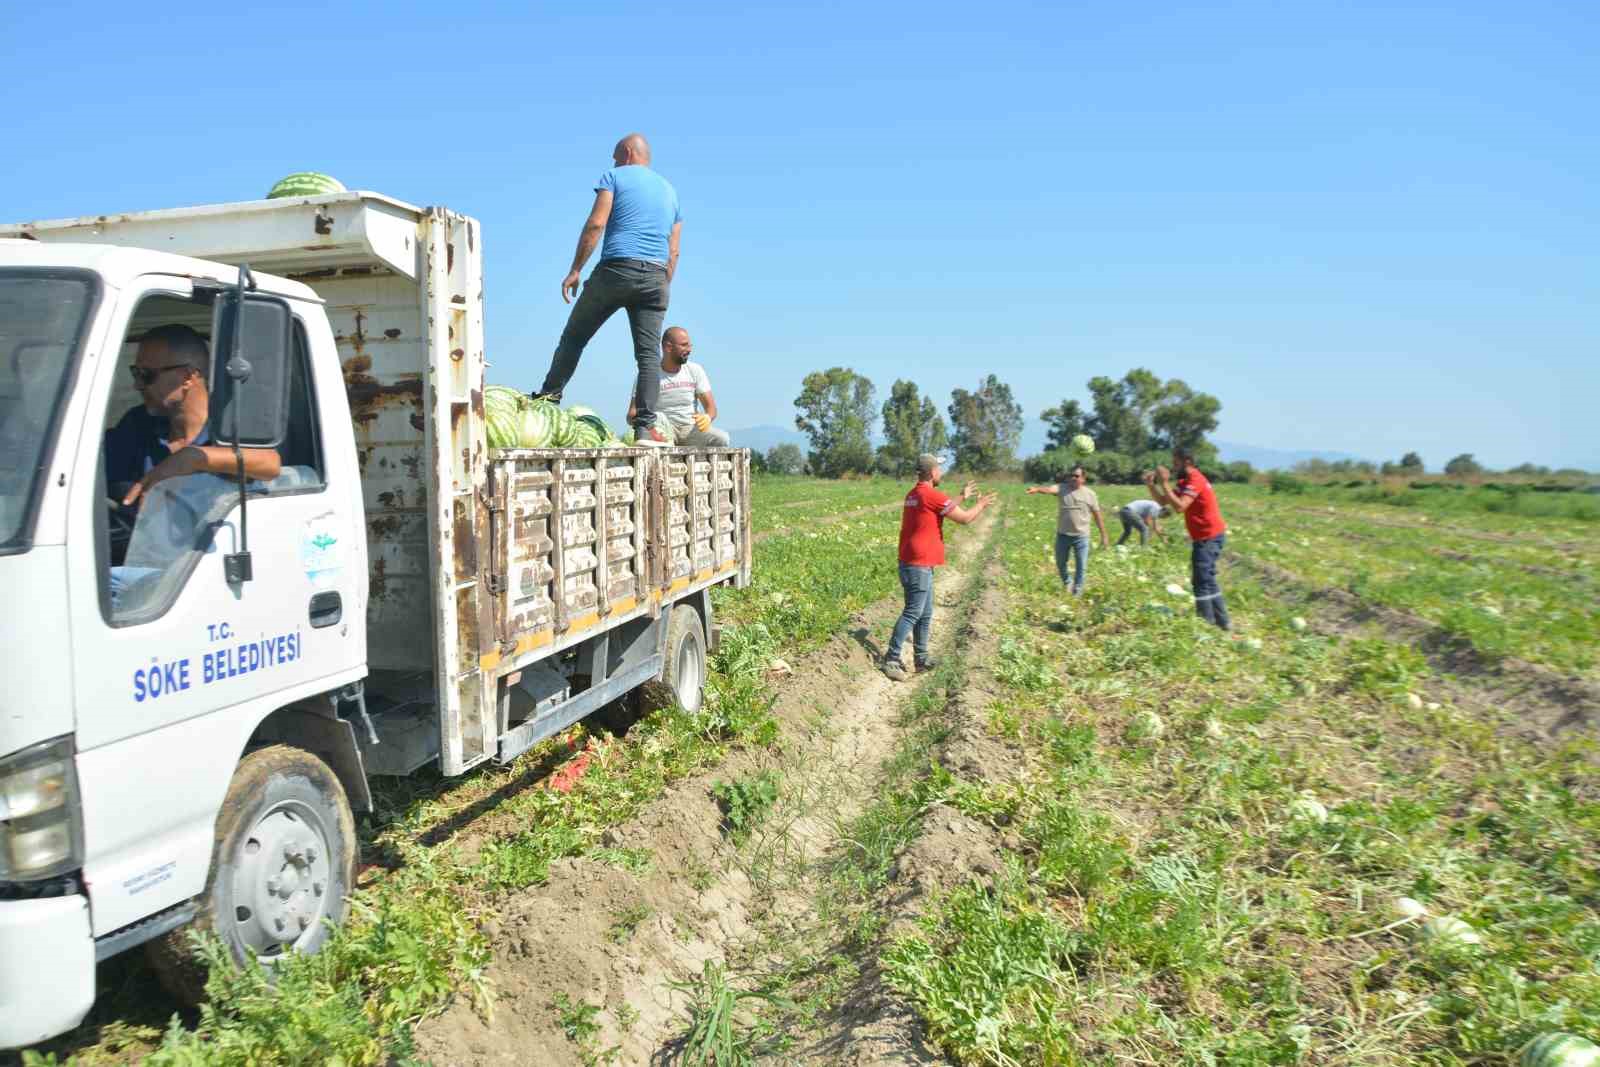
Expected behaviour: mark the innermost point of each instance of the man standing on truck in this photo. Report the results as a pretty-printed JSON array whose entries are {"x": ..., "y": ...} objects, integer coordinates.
[
  {"x": 683, "y": 382},
  {"x": 636, "y": 210},
  {"x": 921, "y": 550},
  {"x": 1198, "y": 502},
  {"x": 165, "y": 436}
]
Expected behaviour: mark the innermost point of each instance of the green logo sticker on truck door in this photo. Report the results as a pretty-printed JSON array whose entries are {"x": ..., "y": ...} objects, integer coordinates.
[{"x": 322, "y": 550}]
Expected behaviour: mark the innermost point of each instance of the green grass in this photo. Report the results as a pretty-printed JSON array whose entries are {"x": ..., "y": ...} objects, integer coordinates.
[{"x": 1170, "y": 902}]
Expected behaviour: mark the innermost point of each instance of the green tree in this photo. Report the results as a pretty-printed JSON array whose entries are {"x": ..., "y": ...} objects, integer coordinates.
[
  {"x": 1462, "y": 465},
  {"x": 1411, "y": 463},
  {"x": 1141, "y": 413},
  {"x": 986, "y": 426},
  {"x": 835, "y": 410},
  {"x": 911, "y": 426},
  {"x": 1065, "y": 421},
  {"x": 785, "y": 459}
]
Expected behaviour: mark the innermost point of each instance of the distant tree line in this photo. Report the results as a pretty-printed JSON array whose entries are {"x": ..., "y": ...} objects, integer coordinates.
[
  {"x": 1135, "y": 422},
  {"x": 1411, "y": 465}
]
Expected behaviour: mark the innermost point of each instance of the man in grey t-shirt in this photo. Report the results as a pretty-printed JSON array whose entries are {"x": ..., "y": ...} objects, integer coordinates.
[
  {"x": 1078, "y": 504},
  {"x": 1141, "y": 515},
  {"x": 682, "y": 384}
]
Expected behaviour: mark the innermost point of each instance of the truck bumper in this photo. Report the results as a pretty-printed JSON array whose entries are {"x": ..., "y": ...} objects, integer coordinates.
[{"x": 46, "y": 968}]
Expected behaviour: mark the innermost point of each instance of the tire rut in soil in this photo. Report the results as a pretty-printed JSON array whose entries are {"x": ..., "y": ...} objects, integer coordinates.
[
  {"x": 596, "y": 934},
  {"x": 1524, "y": 700}
]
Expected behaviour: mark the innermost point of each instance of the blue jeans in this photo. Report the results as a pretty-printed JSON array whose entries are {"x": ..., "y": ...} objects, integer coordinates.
[
  {"x": 641, "y": 289},
  {"x": 917, "y": 618},
  {"x": 1131, "y": 522},
  {"x": 1203, "y": 572},
  {"x": 1077, "y": 545}
]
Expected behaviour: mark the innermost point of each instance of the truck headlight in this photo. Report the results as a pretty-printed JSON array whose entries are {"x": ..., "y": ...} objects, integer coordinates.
[{"x": 40, "y": 830}]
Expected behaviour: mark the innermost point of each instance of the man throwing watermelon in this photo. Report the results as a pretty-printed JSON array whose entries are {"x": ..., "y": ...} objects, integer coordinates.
[
  {"x": 636, "y": 210},
  {"x": 1198, "y": 502}
]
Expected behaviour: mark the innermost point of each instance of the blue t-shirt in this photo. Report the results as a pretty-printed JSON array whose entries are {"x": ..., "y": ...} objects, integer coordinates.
[{"x": 644, "y": 206}]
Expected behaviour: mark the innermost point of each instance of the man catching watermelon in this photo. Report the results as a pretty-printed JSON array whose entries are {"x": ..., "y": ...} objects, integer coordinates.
[
  {"x": 636, "y": 210},
  {"x": 683, "y": 384},
  {"x": 1195, "y": 498}
]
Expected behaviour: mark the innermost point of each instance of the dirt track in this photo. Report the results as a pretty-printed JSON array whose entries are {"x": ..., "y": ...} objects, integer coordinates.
[{"x": 600, "y": 935}]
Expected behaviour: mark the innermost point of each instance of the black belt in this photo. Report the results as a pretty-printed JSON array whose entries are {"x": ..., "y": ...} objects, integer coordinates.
[{"x": 646, "y": 263}]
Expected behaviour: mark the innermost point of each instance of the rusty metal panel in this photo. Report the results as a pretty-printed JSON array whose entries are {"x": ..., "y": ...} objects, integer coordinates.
[{"x": 456, "y": 458}]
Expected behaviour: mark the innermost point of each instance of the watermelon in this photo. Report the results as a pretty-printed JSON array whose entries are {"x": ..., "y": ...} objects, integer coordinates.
[
  {"x": 502, "y": 415},
  {"x": 593, "y": 421},
  {"x": 1146, "y": 725},
  {"x": 1409, "y": 908},
  {"x": 563, "y": 429},
  {"x": 1559, "y": 1050},
  {"x": 1307, "y": 808},
  {"x": 1449, "y": 930},
  {"x": 538, "y": 424},
  {"x": 305, "y": 183},
  {"x": 1083, "y": 444},
  {"x": 578, "y": 411}
]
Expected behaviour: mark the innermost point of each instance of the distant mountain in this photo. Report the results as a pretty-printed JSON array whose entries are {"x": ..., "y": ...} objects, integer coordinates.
[
  {"x": 762, "y": 438},
  {"x": 1274, "y": 458}
]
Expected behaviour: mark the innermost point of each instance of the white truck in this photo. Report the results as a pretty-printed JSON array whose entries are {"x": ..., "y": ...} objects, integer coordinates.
[{"x": 198, "y": 690}]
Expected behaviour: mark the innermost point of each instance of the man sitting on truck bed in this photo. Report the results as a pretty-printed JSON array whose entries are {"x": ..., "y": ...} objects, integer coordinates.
[
  {"x": 682, "y": 383},
  {"x": 637, "y": 210}
]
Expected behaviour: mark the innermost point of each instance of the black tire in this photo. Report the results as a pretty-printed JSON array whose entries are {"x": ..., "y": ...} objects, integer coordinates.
[
  {"x": 683, "y": 676},
  {"x": 284, "y": 862}
]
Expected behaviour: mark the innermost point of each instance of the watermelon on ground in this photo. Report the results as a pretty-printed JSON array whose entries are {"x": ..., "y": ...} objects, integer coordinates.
[
  {"x": 1560, "y": 1050},
  {"x": 305, "y": 183}
]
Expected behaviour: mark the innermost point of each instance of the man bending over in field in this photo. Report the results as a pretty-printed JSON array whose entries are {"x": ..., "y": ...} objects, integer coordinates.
[
  {"x": 1141, "y": 515},
  {"x": 921, "y": 550},
  {"x": 1198, "y": 502},
  {"x": 1078, "y": 504}
]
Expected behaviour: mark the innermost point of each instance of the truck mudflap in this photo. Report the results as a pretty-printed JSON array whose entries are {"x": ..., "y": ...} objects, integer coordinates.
[{"x": 46, "y": 968}]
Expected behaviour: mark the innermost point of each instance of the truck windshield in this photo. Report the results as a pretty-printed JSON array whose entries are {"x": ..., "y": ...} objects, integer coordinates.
[{"x": 42, "y": 318}]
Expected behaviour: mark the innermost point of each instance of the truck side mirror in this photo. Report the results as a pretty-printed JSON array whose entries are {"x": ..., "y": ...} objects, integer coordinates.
[{"x": 251, "y": 341}]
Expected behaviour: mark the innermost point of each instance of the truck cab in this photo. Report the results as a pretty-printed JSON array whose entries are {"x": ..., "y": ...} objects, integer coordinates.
[
  {"x": 131, "y": 649},
  {"x": 259, "y": 550}
]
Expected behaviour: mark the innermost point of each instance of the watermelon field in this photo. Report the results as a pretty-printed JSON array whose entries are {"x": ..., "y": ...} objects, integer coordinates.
[{"x": 1366, "y": 832}]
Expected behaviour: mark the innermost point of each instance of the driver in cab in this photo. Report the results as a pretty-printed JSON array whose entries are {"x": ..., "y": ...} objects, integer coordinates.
[
  {"x": 165, "y": 436},
  {"x": 162, "y": 439}
]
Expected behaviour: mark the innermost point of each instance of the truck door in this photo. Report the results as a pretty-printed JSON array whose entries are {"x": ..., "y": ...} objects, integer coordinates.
[{"x": 173, "y": 665}]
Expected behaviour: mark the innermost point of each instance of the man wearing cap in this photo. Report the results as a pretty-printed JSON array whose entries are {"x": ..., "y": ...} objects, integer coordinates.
[{"x": 921, "y": 550}]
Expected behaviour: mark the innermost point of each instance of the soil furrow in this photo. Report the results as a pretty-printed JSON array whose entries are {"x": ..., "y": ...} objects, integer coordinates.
[
  {"x": 1524, "y": 699},
  {"x": 617, "y": 939}
]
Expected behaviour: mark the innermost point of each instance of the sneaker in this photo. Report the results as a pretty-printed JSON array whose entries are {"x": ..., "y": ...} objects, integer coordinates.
[
  {"x": 895, "y": 670},
  {"x": 650, "y": 437},
  {"x": 927, "y": 663},
  {"x": 554, "y": 398}
]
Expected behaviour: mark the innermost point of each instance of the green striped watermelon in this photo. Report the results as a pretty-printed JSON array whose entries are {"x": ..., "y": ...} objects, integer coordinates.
[
  {"x": 1560, "y": 1050},
  {"x": 305, "y": 183},
  {"x": 539, "y": 419},
  {"x": 502, "y": 415}
]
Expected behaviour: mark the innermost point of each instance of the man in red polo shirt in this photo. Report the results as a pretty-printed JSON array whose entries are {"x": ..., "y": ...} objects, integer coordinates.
[
  {"x": 1198, "y": 502},
  {"x": 921, "y": 550}
]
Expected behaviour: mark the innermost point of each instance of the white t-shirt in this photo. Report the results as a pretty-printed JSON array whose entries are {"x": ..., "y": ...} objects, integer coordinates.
[
  {"x": 678, "y": 393},
  {"x": 1145, "y": 509}
]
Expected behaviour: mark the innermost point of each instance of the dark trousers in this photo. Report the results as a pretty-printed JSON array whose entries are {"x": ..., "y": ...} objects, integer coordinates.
[
  {"x": 637, "y": 286},
  {"x": 1131, "y": 522},
  {"x": 1208, "y": 603},
  {"x": 917, "y": 619}
]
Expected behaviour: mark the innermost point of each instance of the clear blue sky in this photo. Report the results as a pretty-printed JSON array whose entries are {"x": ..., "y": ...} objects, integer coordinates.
[{"x": 1365, "y": 227}]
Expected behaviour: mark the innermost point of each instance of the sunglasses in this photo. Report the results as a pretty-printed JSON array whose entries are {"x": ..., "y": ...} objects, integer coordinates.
[{"x": 143, "y": 376}]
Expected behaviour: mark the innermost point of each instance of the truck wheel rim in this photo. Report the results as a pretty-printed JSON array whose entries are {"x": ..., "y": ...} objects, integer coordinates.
[
  {"x": 281, "y": 885},
  {"x": 690, "y": 674}
]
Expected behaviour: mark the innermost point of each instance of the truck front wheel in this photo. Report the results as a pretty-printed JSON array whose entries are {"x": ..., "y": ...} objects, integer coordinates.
[{"x": 282, "y": 867}]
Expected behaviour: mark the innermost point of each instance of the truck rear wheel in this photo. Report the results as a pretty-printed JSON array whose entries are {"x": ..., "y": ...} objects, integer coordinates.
[
  {"x": 683, "y": 674},
  {"x": 282, "y": 867}
]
